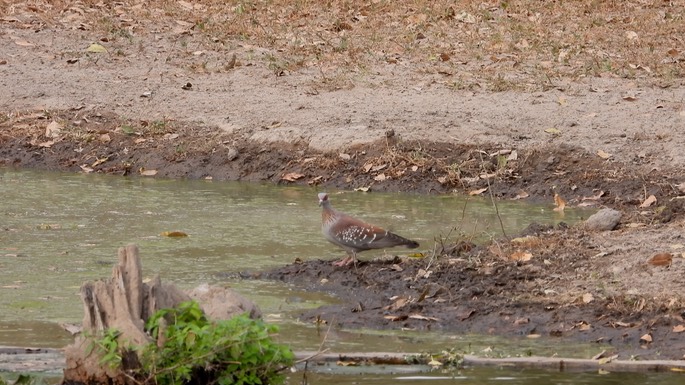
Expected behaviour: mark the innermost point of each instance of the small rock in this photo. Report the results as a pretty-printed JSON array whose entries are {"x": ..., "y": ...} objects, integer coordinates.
[
  {"x": 221, "y": 303},
  {"x": 232, "y": 154},
  {"x": 603, "y": 220}
]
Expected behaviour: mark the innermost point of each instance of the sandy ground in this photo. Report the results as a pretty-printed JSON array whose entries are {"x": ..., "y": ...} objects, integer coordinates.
[{"x": 139, "y": 107}]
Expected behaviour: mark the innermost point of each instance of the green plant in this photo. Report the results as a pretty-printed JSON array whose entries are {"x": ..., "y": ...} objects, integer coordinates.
[
  {"x": 108, "y": 348},
  {"x": 23, "y": 379},
  {"x": 128, "y": 129},
  {"x": 191, "y": 348},
  {"x": 158, "y": 126}
]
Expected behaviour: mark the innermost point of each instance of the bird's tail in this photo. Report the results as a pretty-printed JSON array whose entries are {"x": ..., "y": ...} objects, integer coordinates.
[
  {"x": 411, "y": 244},
  {"x": 397, "y": 240}
]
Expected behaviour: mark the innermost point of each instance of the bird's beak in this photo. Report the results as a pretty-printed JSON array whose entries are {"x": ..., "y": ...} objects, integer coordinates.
[{"x": 320, "y": 202}]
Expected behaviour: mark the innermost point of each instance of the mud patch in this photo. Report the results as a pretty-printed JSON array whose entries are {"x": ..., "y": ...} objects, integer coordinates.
[{"x": 556, "y": 295}]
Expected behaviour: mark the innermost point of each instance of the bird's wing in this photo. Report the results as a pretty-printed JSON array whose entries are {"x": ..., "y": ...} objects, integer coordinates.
[{"x": 353, "y": 233}]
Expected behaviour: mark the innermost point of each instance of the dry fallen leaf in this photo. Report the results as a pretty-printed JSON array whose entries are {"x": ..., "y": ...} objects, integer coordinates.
[
  {"x": 646, "y": 338},
  {"x": 631, "y": 35},
  {"x": 559, "y": 202},
  {"x": 679, "y": 328},
  {"x": 583, "y": 326},
  {"x": 681, "y": 187},
  {"x": 594, "y": 197},
  {"x": 604, "y": 155},
  {"x": 648, "y": 202},
  {"x": 24, "y": 43},
  {"x": 527, "y": 241},
  {"x": 47, "y": 144},
  {"x": 292, "y": 176},
  {"x": 588, "y": 297},
  {"x": 434, "y": 364},
  {"x": 174, "y": 234},
  {"x": 99, "y": 161},
  {"x": 347, "y": 363},
  {"x": 96, "y": 48},
  {"x": 553, "y": 131},
  {"x": 362, "y": 189},
  {"x": 478, "y": 192},
  {"x": 521, "y": 256},
  {"x": 661, "y": 259},
  {"x": 380, "y": 177},
  {"x": 424, "y": 273},
  {"x": 398, "y": 304},
  {"x": 521, "y": 195},
  {"x": 53, "y": 129},
  {"x": 465, "y": 314},
  {"x": 423, "y": 318}
]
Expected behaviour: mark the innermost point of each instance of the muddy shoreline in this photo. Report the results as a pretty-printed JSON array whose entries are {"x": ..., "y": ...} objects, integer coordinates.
[{"x": 460, "y": 287}]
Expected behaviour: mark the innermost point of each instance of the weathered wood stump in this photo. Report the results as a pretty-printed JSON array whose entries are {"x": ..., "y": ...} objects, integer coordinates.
[{"x": 124, "y": 302}]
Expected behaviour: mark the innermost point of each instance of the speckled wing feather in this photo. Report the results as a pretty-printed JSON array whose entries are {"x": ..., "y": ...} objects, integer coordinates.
[{"x": 354, "y": 234}]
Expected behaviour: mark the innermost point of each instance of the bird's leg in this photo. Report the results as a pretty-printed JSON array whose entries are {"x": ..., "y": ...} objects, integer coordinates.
[{"x": 351, "y": 258}]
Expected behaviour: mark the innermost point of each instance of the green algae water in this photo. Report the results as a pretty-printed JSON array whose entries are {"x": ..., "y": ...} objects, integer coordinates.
[{"x": 58, "y": 230}]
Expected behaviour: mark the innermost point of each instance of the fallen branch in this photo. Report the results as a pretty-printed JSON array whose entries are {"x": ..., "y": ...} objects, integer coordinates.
[
  {"x": 15, "y": 359},
  {"x": 552, "y": 363}
]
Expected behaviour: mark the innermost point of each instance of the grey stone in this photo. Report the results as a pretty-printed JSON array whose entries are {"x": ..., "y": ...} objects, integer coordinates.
[
  {"x": 232, "y": 154},
  {"x": 221, "y": 303},
  {"x": 603, "y": 220}
]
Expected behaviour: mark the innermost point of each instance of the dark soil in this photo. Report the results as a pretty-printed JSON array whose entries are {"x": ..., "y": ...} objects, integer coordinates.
[{"x": 470, "y": 290}]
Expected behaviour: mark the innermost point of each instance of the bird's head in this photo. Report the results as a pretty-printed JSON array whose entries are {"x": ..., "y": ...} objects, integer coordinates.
[{"x": 323, "y": 197}]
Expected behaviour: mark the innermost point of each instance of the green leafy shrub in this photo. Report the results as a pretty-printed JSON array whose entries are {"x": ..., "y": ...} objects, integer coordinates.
[
  {"x": 108, "y": 347},
  {"x": 192, "y": 350}
]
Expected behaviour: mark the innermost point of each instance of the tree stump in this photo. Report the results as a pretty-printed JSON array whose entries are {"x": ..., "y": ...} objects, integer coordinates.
[{"x": 123, "y": 302}]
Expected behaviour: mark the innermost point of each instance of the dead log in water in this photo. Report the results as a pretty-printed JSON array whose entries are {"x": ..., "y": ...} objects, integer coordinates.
[
  {"x": 26, "y": 360},
  {"x": 551, "y": 363},
  {"x": 124, "y": 303}
]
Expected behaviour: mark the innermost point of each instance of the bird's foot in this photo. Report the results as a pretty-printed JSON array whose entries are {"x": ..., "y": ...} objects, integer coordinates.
[{"x": 344, "y": 262}]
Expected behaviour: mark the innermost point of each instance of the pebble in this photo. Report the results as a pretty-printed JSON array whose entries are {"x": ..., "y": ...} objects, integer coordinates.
[
  {"x": 232, "y": 154},
  {"x": 603, "y": 220}
]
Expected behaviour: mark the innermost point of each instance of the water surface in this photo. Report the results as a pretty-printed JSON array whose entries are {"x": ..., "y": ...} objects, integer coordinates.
[{"x": 58, "y": 230}]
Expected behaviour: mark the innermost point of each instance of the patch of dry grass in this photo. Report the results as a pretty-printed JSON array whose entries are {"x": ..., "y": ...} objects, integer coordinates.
[{"x": 494, "y": 45}]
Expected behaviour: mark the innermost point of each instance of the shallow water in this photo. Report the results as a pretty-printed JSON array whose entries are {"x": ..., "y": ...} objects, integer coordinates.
[{"x": 58, "y": 230}]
